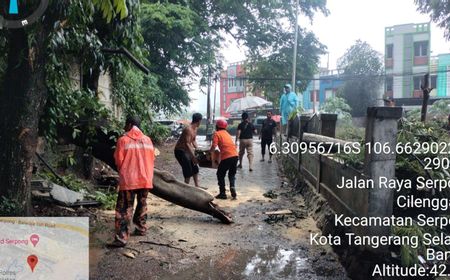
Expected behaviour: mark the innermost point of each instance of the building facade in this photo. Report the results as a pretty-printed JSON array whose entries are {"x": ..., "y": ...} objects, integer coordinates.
[
  {"x": 324, "y": 86},
  {"x": 443, "y": 75},
  {"x": 407, "y": 59},
  {"x": 232, "y": 85}
]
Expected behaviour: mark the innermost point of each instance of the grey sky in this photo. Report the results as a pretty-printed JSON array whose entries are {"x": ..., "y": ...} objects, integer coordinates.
[{"x": 348, "y": 21}]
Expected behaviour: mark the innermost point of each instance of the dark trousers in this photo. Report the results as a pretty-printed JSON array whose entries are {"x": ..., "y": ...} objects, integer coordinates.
[
  {"x": 124, "y": 213},
  {"x": 230, "y": 165},
  {"x": 188, "y": 167},
  {"x": 264, "y": 143}
]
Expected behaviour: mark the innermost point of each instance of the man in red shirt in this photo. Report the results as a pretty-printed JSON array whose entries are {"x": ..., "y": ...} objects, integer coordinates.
[
  {"x": 228, "y": 158},
  {"x": 135, "y": 157}
]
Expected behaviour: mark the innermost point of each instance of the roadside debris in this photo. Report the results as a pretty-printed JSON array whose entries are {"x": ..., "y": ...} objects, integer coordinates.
[
  {"x": 51, "y": 192},
  {"x": 289, "y": 217},
  {"x": 275, "y": 216},
  {"x": 279, "y": 212},
  {"x": 162, "y": 244},
  {"x": 129, "y": 254},
  {"x": 270, "y": 194},
  {"x": 65, "y": 196}
]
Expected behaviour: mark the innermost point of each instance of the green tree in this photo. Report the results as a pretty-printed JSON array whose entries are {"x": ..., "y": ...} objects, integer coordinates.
[
  {"x": 177, "y": 39},
  {"x": 362, "y": 69},
  {"x": 184, "y": 37},
  {"x": 24, "y": 92},
  {"x": 269, "y": 74},
  {"x": 440, "y": 110},
  {"x": 439, "y": 12},
  {"x": 337, "y": 105}
]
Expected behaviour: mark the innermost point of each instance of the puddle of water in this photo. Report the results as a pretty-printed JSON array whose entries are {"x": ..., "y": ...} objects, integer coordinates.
[
  {"x": 276, "y": 263},
  {"x": 267, "y": 263}
]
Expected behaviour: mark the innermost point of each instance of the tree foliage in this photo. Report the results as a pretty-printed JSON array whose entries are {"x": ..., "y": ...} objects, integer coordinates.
[
  {"x": 184, "y": 37},
  {"x": 177, "y": 40},
  {"x": 269, "y": 74},
  {"x": 111, "y": 9},
  {"x": 75, "y": 45},
  {"x": 362, "y": 69},
  {"x": 337, "y": 105},
  {"x": 439, "y": 12}
]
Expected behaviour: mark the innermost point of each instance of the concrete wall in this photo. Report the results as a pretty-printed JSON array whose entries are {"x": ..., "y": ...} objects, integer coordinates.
[
  {"x": 105, "y": 88},
  {"x": 105, "y": 94},
  {"x": 325, "y": 172}
]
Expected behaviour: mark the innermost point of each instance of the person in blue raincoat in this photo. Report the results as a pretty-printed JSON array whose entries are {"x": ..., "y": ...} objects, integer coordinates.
[{"x": 288, "y": 103}]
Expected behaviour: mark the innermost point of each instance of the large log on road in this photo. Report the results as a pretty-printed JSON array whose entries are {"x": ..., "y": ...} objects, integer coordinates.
[{"x": 165, "y": 185}]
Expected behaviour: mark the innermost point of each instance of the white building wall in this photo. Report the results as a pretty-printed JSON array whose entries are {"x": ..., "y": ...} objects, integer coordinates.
[
  {"x": 105, "y": 94},
  {"x": 104, "y": 88},
  {"x": 397, "y": 70}
]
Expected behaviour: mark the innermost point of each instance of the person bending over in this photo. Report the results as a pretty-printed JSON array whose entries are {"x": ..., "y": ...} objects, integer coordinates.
[
  {"x": 185, "y": 150},
  {"x": 228, "y": 159}
]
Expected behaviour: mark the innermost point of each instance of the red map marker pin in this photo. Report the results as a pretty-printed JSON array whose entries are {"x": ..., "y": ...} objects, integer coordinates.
[
  {"x": 32, "y": 262},
  {"x": 34, "y": 239}
]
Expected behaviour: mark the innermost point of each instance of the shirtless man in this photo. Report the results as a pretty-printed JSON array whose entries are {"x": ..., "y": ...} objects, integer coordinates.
[{"x": 185, "y": 150}]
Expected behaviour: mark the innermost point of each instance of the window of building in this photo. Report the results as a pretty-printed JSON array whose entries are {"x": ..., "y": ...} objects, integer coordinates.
[
  {"x": 433, "y": 81},
  {"x": 389, "y": 84},
  {"x": 312, "y": 96},
  {"x": 389, "y": 51},
  {"x": 417, "y": 82},
  {"x": 421, "y": 48},
  {"x": 329, "y": 93},
  {"x": 239, "y": 83}
]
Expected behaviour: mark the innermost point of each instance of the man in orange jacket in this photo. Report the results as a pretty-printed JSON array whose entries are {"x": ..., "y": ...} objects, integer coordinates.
[
  {"x": 135, "y": 157},
  {"x": 228, "y": 159}
]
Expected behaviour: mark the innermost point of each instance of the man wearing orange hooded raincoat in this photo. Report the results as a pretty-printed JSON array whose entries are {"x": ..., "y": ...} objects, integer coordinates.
[{"x": 134, "y": 157}]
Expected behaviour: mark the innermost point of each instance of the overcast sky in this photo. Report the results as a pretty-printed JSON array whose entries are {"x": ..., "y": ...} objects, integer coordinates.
[{"x": 348, "y": 21}]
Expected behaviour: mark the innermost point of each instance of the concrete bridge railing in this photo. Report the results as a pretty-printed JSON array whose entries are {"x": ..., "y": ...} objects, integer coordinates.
[{"x": 323, "y": 172}]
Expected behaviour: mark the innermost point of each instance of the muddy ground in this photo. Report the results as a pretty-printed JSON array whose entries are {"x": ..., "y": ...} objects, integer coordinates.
[{"x": 183, "y": 244}]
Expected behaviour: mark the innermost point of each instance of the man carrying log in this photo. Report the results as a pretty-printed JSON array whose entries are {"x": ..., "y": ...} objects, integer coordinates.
[
  {"x": 135, "y": 158},
  {"x": 228, "y": 159},
  {"x": 185, "y": 150}
]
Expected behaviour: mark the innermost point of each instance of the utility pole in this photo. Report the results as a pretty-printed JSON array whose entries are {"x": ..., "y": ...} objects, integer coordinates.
[
  {"x": 208, "y": 109},
  {"x": 215, "y": 93},
  {"x": 294, "y": 62},
  {"x": 426, "y": 96},
  {"x": 328, "y": 63}
]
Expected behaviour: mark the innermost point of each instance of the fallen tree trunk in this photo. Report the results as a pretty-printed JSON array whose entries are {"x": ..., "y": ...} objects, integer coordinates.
[{"x": 165, "y": 185}]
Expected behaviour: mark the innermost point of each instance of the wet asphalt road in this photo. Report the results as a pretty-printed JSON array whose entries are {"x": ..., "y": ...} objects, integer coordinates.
[{"x": 253, "y": 247}]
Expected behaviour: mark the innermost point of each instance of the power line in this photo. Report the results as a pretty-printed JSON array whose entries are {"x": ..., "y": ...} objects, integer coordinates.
[{"x": 341, "y": 77}]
